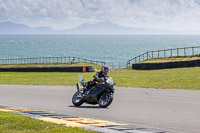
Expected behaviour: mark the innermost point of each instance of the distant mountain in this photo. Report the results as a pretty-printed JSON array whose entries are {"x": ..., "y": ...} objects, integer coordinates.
[
  {"x": 102, "y": 28},
  {"x": 110, "y": 28},
  {"x": 14, "y": 28}
]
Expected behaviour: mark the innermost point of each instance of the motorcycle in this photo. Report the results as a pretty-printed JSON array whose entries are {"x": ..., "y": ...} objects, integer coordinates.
[{"x": 101, "y": 94}]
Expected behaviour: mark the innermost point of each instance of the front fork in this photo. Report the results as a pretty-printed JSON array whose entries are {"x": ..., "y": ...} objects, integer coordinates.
[
  {"x": 78, "y": 87},
  {"x": 80, "y": 90}
]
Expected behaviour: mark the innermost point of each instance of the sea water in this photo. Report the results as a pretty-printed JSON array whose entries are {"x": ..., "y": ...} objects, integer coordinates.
[{"x": 110, "y": 48}]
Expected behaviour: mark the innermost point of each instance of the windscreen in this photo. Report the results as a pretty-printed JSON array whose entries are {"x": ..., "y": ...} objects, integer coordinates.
[{"x": 110, "y": 81}]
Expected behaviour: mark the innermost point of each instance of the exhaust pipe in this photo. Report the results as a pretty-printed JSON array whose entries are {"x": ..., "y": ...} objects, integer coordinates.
[{"x": 78, "y": 87}]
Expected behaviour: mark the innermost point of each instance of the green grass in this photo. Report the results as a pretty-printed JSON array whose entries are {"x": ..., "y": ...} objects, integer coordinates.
[
  {"x": 15, "y": 123},
  {"x": 50, "y": 64},
  {"x": 172, "y": 59},
  {"x": 179, "y": 78}
]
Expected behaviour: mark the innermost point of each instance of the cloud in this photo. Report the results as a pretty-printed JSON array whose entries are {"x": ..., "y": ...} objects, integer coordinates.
[{"x": 62, "y": 14}]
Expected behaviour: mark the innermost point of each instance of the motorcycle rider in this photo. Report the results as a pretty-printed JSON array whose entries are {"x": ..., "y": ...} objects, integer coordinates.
[{"x": 98, "y": 77}]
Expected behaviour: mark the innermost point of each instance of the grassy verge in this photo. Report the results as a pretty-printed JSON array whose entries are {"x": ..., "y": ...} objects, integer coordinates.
[
  {"x": 180, "y": 78},
  {"x": 15, "y": 123},
  {"x": 51, "y": 64},
  {"x": 172, "y": 59}
]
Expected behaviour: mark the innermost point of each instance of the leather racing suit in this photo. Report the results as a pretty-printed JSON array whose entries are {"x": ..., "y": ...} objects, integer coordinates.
[{"x": 98, "y": 77}]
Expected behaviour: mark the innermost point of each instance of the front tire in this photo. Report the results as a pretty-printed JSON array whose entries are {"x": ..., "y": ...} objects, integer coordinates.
[
  {"x": 77, "y": 100},
  {"x": 106, "y": 99}
]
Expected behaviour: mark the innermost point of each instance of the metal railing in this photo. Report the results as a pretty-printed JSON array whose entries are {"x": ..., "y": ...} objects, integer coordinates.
[
  {"x": 71, "y": 60},
  {"x": 116, "y": 65},
  {"x": 43, "y": 60},
  {"x": 164, "y": 53}
]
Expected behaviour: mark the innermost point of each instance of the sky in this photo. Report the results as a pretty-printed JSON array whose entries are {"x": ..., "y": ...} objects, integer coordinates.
[{"x": 66, "y": 14}]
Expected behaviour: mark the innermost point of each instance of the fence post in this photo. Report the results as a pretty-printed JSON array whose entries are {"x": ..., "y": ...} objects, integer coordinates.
[
  {"x": 139, "y": 58},
  {"x": 143, "y": 57},
  {"x": 171, "y": 51},
  {"x": 64, "y": 59},
  {"x": 184, "y": 52},
  {"x": 192, "y": 50},
  {"x": 177, "y": 52},
  {"x": 164, "y": 54},
  {"x": 152, "y": 54}
]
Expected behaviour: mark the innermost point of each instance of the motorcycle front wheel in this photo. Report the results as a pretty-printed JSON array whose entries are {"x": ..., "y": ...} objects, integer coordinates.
[
  {"x": 77, "y": 99},
  {"x": 105, "y": 100}
]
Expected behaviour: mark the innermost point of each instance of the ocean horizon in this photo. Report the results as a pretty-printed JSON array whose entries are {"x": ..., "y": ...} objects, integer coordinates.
[{"x": 108, "y": 48}]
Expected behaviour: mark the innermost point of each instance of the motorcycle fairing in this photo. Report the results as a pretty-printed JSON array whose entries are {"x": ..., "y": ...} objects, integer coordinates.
[{"x": 94, "y": 92}]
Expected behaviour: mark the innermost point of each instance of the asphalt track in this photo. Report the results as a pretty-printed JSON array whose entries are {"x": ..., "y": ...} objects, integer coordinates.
[{"x": 175, "y": 111}]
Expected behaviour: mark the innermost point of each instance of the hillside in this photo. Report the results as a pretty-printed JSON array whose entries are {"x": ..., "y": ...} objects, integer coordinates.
[{"x": 101, "y": 28}]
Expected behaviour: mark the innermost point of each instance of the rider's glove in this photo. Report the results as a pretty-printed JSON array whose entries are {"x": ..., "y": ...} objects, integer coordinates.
[
  {"x": 83, "y": 83},
  {"x": 102, "y": 79}
]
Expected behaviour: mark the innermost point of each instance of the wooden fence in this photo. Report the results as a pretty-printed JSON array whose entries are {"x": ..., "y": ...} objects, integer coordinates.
[{"x": 164, "y": 53}]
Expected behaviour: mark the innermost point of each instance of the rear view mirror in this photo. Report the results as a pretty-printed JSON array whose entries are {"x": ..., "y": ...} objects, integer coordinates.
[{"x": 80, "y": 77}]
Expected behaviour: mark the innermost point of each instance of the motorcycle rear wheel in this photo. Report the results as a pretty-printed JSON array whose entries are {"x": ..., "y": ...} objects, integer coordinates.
[
  {"x": 77, "y": 101},
  {"x": 105, "y": 100}
]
